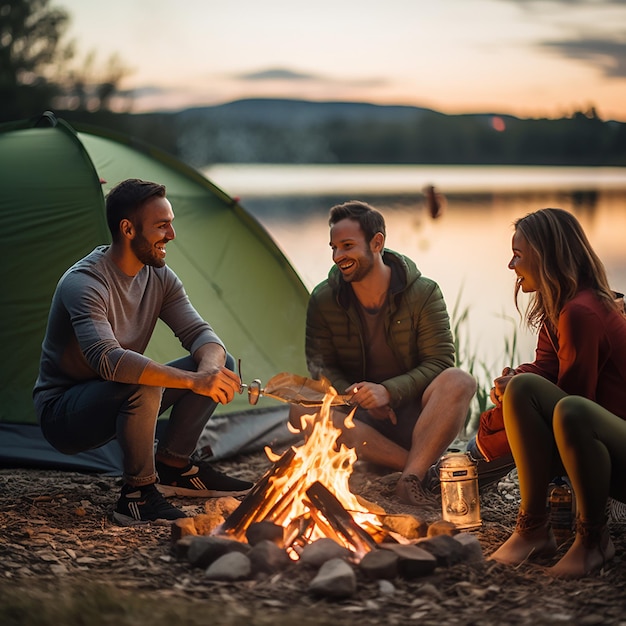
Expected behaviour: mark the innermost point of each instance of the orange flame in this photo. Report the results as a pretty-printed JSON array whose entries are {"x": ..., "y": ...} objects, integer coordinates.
[{"x": 320, "y": 458}]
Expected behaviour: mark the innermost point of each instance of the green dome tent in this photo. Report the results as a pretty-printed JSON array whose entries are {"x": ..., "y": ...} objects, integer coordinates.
[{"x": 52, "y": 187}]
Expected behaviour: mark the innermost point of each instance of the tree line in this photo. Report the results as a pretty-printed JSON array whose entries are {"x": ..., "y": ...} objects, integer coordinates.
[{"x": 39, "y": 71}]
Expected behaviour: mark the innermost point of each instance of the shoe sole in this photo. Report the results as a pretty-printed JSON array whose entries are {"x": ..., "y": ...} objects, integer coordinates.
[
  {"x": 127, "y": 521},
  {"x": 169, "y": 491}
]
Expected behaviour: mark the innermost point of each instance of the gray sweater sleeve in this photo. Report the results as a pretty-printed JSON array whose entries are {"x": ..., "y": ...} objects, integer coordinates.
[{"x": 101, "y": 321}]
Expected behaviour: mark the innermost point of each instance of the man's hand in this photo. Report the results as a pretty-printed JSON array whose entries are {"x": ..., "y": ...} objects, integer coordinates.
[
  {"x": 221, "y": 386},
  {"x": 368, "y": 395},
  {"x": 374, "y": 398}
]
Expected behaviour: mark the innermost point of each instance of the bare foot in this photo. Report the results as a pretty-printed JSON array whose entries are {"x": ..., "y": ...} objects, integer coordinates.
[
  {"x": 581, "y": 560},
  {"x": 518, "y": 548}
]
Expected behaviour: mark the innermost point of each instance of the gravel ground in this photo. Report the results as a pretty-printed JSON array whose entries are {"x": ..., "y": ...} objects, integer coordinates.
[{"x": 56, "y": 537}]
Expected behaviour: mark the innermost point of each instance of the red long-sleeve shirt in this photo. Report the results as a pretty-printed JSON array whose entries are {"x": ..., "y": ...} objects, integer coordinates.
[{"x": 586, "y": 357}]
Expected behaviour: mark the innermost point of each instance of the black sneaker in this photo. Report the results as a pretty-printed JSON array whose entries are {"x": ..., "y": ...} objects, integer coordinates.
[
  {"x": 198, "y": 481},
  {"x": 140, "y": 505}
]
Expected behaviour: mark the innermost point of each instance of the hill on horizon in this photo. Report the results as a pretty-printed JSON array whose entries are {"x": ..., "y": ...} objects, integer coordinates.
[{"x": 264, "y": 130}]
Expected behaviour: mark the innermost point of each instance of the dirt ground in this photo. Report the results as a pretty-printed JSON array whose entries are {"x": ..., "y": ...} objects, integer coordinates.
[{"x": 56, "y": 536}]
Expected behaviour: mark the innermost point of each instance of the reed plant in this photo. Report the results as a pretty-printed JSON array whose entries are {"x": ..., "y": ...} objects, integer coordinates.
[{"x": 484, "y": 373}]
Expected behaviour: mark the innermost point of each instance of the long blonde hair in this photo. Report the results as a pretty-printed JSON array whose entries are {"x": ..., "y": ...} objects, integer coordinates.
[{"x": 564, "y": 261}]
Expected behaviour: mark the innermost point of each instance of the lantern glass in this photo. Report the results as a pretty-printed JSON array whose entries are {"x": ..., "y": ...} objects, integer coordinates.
[{"x": 460, "y": 503}]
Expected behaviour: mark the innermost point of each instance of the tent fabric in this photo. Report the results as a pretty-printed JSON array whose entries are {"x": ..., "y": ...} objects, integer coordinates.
[
  {"x": 246, "y": 432},
  {"x": 52, "y": 207},
  {"x": 23, "y": 445}
]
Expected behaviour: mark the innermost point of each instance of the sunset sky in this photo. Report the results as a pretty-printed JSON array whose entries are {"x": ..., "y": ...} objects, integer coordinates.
[{"x": 530, "y": 58}]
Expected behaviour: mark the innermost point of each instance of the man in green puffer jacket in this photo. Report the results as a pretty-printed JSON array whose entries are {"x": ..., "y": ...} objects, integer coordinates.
[{"x": 379, "y": 330}]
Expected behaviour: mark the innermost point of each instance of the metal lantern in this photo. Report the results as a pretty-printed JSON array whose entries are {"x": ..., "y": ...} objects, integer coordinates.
[{"x": 460, "y": 503}]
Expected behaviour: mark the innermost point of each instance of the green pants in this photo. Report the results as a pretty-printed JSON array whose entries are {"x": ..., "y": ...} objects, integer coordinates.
[{"x": 551, "y": 432}]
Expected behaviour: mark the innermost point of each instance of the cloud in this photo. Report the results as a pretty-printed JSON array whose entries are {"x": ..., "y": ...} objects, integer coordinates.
[
  {"x": 145, "y": 91},
  {"x": 582, "y": 21},
  {"x": 608, "y": 56},
  {"x": 287, "y": 75},
  {"x": 276, "y": 74},
  {"x": 549, "y": 4}
]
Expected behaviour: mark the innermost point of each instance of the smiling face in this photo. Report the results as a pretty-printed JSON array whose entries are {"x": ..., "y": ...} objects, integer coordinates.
[
  {"x": 153, "y": 230},
  {"x": 351, "y": 253},
  {"x": 523, "y": 264}
]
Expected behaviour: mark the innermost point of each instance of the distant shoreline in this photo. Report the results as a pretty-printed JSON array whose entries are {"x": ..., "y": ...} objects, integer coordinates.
[{"x": 295, "y": 180}]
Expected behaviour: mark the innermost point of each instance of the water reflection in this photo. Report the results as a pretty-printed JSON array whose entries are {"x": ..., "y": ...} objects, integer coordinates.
[
  {"x": 585, "y": 201},
  {"x": 466, "y": 250}
]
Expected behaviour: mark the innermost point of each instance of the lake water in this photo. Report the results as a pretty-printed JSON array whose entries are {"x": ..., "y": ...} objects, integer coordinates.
[{"x": 466, "y": 250}]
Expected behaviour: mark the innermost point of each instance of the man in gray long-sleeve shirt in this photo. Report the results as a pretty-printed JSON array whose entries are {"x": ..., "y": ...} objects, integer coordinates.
[{"x": 95, "y": 383}]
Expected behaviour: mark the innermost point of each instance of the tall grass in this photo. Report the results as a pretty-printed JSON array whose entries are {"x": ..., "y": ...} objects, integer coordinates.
[{"x": 484, "y": 373}]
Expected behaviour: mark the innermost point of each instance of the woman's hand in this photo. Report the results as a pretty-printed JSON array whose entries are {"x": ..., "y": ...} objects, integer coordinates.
[{"x": 499, "y": 385}]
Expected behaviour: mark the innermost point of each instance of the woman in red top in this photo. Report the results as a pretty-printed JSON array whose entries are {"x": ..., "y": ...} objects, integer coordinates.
[{"x": 578, "y": 425}]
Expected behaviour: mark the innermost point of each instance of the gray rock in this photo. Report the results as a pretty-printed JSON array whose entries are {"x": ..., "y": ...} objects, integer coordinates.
[
  {"x": 322, "y": 550},
  {"x": 180, "y": 548},
  {"x": 472, "y": 550},
  {"x": 379, "y": 564},
  {"x": 413, "y": 561},
  {"x": 203, "y": 550},
  {"x": 445, "y": 549},
  {"x": 260, "y": 531},
  {"x": 266, "y": 556},
  {"x": 231, "y": 566},
  {"x": 335, "y": 579},
  {"x": 386, "y": 588}
]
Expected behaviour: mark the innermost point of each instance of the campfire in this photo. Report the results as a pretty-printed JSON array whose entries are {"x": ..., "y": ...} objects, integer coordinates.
[
  {"x": 306, "y": 491},
  {"x": 302, "y": 513}
]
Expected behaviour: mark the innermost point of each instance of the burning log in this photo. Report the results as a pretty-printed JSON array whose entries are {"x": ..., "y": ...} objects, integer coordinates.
[
  {"x": 325, "y": 510},
  {"x": 307, "y": 492},
  {"x": 339, "y": 519},
  {"x": 299, "y": 531},
  {"x": 252, "y": 507}
]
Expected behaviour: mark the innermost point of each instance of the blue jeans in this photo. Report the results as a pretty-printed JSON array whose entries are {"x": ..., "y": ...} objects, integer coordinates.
[
  {"x": 90, "y": 414},
  {"x": 489, "y": 472}
]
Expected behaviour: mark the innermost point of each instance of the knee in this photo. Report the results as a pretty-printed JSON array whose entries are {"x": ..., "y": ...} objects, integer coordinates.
[
  {"x": 350, "y": 437},
  {"x": 521, "y": 387},
  {"x": 569, "y": 418},
  {"x": 458, "y": 382},
  {"x": 301, "y": 419},
  {"x": 146, "y": 396}
]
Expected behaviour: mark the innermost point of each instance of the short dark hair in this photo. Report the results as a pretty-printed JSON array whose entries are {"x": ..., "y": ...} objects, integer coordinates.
[
  {"x": 370, "y": 219},
  {"x": 125, "y": 200}
]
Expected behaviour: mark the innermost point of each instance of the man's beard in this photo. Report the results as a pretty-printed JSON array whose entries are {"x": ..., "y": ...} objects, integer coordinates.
[
  {"x": 145, "y": 252},
  {"x": 366, "y": 263}
]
